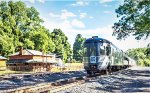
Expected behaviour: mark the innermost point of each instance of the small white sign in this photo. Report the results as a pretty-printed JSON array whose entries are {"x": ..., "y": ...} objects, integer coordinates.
[{"x": 92, "y": 59}]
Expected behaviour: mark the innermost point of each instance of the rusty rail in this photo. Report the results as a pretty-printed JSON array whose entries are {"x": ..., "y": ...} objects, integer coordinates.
[{"x": 49, "y": 87}]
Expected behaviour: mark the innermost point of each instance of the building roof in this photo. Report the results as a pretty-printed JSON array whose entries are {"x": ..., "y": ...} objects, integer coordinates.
[
  {"x": 32, "y": 52},
  {"x": 2, "y": 57}
]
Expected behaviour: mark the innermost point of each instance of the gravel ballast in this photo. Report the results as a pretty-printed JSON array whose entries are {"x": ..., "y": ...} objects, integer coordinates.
[
  {"x": 17, "y": 81},
  {"x": 135, "y": 79}
]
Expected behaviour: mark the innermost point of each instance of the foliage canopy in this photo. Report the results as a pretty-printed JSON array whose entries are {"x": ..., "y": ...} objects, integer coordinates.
[
  {"x": 140, "y": 55},
  {"x": 21, "y": 26},
  {"x": 62, "y": 46},
  {"x": 134, "y": 19},
  {"x": 78, "y": 48}
]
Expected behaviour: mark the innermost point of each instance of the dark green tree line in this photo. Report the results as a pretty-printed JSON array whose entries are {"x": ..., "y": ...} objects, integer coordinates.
[
  {"x": 78, "y": 48},
  {"x": 21, "y": 26},
  {"x": 62, "y": 46},
  {"x": 16, "y": 20}
]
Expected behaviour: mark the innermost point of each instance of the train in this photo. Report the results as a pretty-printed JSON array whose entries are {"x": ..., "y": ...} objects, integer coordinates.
[{"x": 101, "y": 55}]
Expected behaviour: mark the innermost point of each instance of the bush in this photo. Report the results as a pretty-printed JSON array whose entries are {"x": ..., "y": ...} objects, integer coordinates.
[{"x": 144, "y": 62}]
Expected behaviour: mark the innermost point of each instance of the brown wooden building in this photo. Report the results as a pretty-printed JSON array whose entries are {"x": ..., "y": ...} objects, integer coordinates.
[{"x": 30, "y": 60}]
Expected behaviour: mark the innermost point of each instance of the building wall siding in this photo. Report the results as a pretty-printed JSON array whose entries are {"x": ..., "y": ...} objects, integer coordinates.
[
  {"x": 21, "y": 57},
  {"x": 34, "y": 67}
]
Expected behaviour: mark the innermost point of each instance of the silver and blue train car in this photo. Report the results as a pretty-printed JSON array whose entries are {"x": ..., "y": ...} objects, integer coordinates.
[{"x": 101, "y": 55}]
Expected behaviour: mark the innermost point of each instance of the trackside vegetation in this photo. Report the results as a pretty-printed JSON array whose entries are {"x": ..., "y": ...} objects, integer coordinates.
[
  {"x": 78, "y": 48},
  {"x": 21, "y": 26},
  {"x": 140, "y": 55},
  {"x": 134, "y": 20}
]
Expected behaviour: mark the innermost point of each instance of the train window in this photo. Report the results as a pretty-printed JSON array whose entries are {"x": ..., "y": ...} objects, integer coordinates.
[
  {"x": 90, "y": 49},
  {"x": 102, "y": 50},
  {"x": 112, "y": 52},
  {"x": 108, "y": 50}
]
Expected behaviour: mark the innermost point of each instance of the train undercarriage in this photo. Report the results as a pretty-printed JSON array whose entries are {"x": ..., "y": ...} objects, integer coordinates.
[{"x": 109, "y": 69}]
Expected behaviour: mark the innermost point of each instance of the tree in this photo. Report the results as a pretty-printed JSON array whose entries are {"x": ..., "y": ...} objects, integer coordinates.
[
  {"x": 40, "y": 40},
  {"x": 78, "y": 48},
  {"x": 21, "y": 26},
  {"x": 6, "y": 45},
  {"x": 62, "y": 46},
  {"x": 139, "y": 55},
  {"x": 134, "y": 19}
]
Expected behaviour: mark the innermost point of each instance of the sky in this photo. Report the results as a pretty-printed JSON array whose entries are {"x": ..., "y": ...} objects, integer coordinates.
[{"x": 86, "y": 17}]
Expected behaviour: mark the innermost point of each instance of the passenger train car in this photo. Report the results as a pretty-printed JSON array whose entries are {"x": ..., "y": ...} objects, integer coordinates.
[{"x": 102, "y": 55}]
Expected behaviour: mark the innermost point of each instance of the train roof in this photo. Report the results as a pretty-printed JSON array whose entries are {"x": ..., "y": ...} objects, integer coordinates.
[{"x": 97, "y": 39}]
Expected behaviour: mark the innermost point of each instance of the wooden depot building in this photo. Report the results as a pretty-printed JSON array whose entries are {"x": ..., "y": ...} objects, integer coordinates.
[
  {"x": 3, "y": 63},
  {"x": 30, "y": 60}
]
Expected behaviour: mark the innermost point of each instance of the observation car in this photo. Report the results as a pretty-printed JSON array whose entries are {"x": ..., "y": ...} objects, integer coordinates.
[{"x": 101, "y": 55}]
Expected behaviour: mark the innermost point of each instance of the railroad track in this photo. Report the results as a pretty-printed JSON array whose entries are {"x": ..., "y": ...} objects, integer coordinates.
[{"x": 52, "y": 87}]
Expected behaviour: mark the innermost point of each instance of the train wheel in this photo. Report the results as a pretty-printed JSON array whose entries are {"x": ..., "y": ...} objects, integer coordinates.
[
  {"x": 91, "y": 73},
  {"x": 88, "y": 73},
  {"x": 108, "y": 70}
]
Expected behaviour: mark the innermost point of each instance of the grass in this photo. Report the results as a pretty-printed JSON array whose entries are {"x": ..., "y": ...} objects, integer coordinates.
[
  {"x": 68, "y": 67},
  {"x": 6, "y": 72}
]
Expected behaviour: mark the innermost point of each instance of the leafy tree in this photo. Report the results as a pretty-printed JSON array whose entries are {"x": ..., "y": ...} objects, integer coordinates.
[
  {"x": 6, "y": 45},
  {"x": 140, "y": 56},
  {"x": 137, "y": 54},
  {"x": 134, "y": 19},
  {"x": 21, "y": 26},
  {"x": 62, "y": 47},
  {"x": 78, "y": 48},
  {"x": 40, "y": 40}
]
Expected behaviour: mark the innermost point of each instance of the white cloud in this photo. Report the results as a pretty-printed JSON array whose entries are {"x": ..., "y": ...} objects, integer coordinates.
[
  {"x": 77, "y": 23},
  {"x": 53, "y": 15},
  {"x": 105, "y": 1},
  {"x": 33, "y": 1},
  {"x": 83, "y": 15},
  {"x": 104, "y": 32},
  {"x": 106, "y": 5},
  {"x": 91, "y": 17},
  {"x": 107, "y": 12},
  {"x": 41, "y": 1},
  {"x": 66, "y": 14},
  {"x": 80, "y": 3}
]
